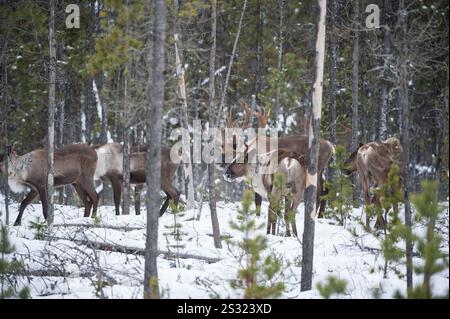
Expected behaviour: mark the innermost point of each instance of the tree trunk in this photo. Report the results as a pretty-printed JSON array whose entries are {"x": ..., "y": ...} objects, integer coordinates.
[
  {"x": 259, "y": 49},
  {"x": 404, "y": 106},
  {"x": 6, "y": 146},
  {"x": 188, "y": 175},
  {"x": 314, "y": 138},
  {"x": 211, "y": 185},
  {"x": 51, "y": 111},
  {"x": 384, "y": 95},
  {"x": 333, "y": 71},
  {"x": 126, "y": 137},
  {"x": 156, "y": 96},
  {"x": 126, "y": 150},
  {"x": 281, "y": 5},
  {"x": 355, "y": 90}
]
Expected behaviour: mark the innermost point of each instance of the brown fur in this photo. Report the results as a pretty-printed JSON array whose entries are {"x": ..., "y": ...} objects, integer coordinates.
[
  {"x": 73, "y": 164},
  {"x": 372, "y": 162},
  {"x": 138, "y": 174},
  {"x": 294, "y": 174}
]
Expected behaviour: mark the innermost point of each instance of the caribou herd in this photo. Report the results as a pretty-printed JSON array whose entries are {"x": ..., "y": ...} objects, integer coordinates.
[{"x": 80, "y": 165}]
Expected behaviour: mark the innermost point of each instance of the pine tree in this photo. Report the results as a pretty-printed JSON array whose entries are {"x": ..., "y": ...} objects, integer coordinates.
[
  {"x": 8, "y": 268},
  {"x": 340, "y": 187},
  {"x": 257, "y": 278},
  {"x": 427, "y": 211}
]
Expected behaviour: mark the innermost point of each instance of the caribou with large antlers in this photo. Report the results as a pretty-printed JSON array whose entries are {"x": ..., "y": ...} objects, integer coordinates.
[
  {"x": 73, "y": 164},
  {"x": 372, "y": 162},
  {"x": 297, "y": 144}
]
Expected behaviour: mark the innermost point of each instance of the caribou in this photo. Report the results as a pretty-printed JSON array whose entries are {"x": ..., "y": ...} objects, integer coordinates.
[
  {"x": 110, "y": 167},
  {"x": 262, "y": 176},
  {"x": 73, "y": 164},
  {"x": 372, "y": 162},
  {"x": 298, "y": 144}
]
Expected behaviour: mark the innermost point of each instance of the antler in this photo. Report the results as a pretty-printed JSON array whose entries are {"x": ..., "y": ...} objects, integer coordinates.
[
  {"x": 245, "y": 120},
  {"x": 262, "y": 118},
  {"x": 246, "y": 115}
]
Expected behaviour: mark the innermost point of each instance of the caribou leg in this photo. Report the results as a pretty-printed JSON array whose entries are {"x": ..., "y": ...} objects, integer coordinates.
[
  {"x": 88, "y": 186},
  {"x": 27, "y": 200},
  {"x": 380, "y": 223},
  {"x": 43, "y": 196},
  {"x": 117, "y": 192},
  {"x": 258, "y": 201},
  {"x": 172, "y": 193},
  {"x": 84, "y": 198},
  {"x": 137, "y": 199}
]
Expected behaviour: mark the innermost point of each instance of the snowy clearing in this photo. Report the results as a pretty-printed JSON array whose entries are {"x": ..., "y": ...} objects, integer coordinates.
[{"x": 64, "y": 266}]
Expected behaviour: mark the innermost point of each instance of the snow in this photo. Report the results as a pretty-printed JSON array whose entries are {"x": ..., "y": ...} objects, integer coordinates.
[{"x": 348, "y": 253}]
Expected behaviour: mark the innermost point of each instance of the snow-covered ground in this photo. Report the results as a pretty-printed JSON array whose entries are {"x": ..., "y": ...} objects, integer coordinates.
[{"x": 64, "y": 267}]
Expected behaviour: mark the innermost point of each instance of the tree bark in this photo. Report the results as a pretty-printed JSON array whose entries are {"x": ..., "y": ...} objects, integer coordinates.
[
  {"x": 314, "y": 142},
  {"x": 405, "y": 113},
  {"x": 355, "y": 89},
  {"x": 281, "y": 5},
  {"x": 6, "y": 132},
  {"x": 333, "y": 71},
  {"x": 188, "y": 174},
  {"x": 211, "y": 185},
  {"x": 259, "y": 49},
  {"x": 126, "y": 137},
  {"x": 51, "y": 111},
  {"x": 154, "y": 125}
]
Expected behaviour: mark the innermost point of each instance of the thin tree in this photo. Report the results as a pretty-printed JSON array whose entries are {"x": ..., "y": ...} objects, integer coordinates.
[
  {"x": 187, "y": 163},
  {"x": 333, "y": 70},
  {"x": 384, "y": 95},
  {"x": 355, "y": 84},
  {"x": 154, "y": 129},
  {"x": 314, "y": 140},
  {"x": 230, "y": 64},
  {"x": 51, "y": 110},
  {"x": 5, "y": 130},
  {"x": 212, "y": 92},
  {"x": 404, "y": 107},
  {"x": 281, "y": 5},
  {"x": 126, "y": 132}
]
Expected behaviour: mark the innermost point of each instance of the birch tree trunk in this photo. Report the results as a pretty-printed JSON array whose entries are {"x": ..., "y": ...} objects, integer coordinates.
[
  {"x": 51, "y": 111},
  {"x": 211, "y": 185},
  {"x": 154, "y": 128},
  {"x": 184, "y": 119},
  {"x": 314, "y": 142}
]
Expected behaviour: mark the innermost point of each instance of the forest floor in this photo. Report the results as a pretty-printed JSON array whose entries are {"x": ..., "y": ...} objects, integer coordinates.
[{"x": 84, "y": 252}]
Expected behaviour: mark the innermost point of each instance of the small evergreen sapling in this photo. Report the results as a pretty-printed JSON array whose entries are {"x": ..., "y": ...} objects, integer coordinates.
[
  {"x": 333, "y": 286},
  {"x": 8, "y": 270},
  {"x": 434, "y": 260},
  {"x": 257, "y": 275},
  {"x": 340, "y": 188}
]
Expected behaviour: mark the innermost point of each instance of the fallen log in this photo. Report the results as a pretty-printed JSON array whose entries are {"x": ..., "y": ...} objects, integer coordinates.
[
  {"x": 123, "y": 228},
  {"x": 133, "y": 250}
]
